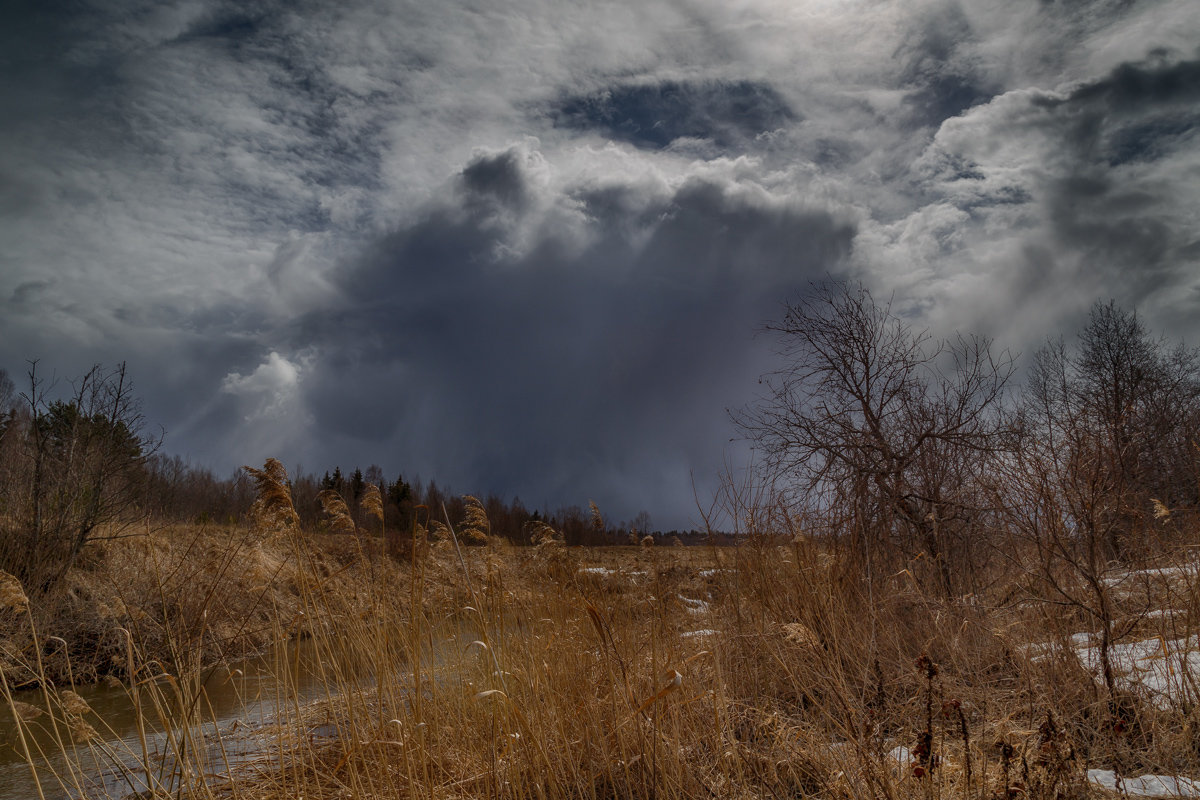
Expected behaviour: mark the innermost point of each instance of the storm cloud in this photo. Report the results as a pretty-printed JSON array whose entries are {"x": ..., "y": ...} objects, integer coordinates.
[{"x": 529, "y": 248}]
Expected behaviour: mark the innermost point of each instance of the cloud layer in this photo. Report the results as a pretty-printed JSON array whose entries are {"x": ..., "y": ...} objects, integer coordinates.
[{"x": 526, "y": 248}]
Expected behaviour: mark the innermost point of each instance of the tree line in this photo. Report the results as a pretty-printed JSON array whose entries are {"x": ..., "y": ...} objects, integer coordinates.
[
  {"x": 80, "y": 464},
  {"x": 909, "y": 451},
  {"x": 924, "y": 454}
]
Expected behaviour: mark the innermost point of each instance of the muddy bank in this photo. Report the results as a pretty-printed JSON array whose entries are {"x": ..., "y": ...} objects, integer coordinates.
[{"x": 186, "y": 596}]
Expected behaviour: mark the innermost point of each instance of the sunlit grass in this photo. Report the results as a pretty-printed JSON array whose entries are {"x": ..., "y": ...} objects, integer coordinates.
[{"x": 666, "y": 672}]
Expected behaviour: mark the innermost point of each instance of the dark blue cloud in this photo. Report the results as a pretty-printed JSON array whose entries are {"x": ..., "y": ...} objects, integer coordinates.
[
  {"x": 542, "y": 371},
  {"x": 940, "y": 81}
]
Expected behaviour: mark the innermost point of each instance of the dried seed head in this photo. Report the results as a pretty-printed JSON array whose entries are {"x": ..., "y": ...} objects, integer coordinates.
[
  {"x": 273, "y": 509},
  {"x": 372, "y": 502},
  {"x": 81, "y": 731},
  {"x": 476, "y": 527},
  {"x": 339, "y": 514},
  {"x": 26, "y": 712},
  {"x": 543, "y": 535},
  {"x": 12, "y": 596},
  {"x": 925, "y": 664},
  {"x": 597, "y": 520},
  {"x": 74, "y": 704},
  {"x": 801, "y": 634}
]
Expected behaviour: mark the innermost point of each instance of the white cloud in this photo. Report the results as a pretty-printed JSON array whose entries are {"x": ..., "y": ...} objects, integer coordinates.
[{"x": 271, "y": 390}]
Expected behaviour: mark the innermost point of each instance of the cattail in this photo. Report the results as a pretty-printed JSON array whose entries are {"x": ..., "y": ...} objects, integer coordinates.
[
  {"x": 12, "y": 596},
  {"x": 273, "y": 508},
  {"x": 372, "y": 502},
  {"x": 339, "y": 514}
]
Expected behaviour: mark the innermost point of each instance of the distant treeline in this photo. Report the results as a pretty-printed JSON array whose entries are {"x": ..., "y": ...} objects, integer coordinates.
[
  {"x": 81, "y": 466},
  {"x": 178, "y": 491}
]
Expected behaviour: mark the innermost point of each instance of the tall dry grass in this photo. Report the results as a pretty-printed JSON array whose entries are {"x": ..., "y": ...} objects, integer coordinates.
[{"x": 774, "y": 669}]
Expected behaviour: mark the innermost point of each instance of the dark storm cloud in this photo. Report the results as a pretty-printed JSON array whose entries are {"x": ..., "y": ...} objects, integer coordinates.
[
  {"x": 28, "y": 291},
  {"x": 727, "y": 113},
  {"x": 564, "y": 366},
  {"x": 938, "y": 73},
  {"x": 1076, "y": 188},
  {"x": 1139, "y": 113},
  {"x": 307, "y": 228},
  {"x": 494, "y": 180}
]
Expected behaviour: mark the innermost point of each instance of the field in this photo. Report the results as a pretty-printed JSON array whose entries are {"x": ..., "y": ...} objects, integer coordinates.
[{"x": 770, "y": 669}]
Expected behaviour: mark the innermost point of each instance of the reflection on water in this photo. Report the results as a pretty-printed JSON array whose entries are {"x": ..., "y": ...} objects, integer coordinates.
[{"x": 235, "y": 705}]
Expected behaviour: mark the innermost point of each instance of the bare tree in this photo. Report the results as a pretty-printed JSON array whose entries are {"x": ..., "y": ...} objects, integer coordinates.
[
  {"x": 77, "y": 474},
  {"x": 1114, "y": 424},
  {"x": 1107, "y": 432},
  {"x": 8, "y": 391},
  {"x": 880, "y": 425}
]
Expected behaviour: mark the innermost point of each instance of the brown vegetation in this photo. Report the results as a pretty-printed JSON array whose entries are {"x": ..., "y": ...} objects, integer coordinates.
[
  {"x": 933, "y": 591},
  {"x": 767, "y": 669}
]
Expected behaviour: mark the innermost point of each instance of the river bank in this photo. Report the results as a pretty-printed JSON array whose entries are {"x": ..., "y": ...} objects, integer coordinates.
[
  {"x": 185, "y": 596},
  {"x": 674, "y": 672}
]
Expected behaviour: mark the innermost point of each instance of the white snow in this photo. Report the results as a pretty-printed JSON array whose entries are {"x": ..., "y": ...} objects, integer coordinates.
[
  {"x": 694, "y": 606},
  {"x": 701, "y": 632},
  {"x": 1159, "y": 668},
  {"x": 901, "y": 755},
  {"x": 1146, "y": 785},
  {"x": 1188, "y": 570}
]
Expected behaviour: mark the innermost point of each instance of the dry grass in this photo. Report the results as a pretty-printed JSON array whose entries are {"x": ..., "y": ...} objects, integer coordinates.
[{"x": 553, "y": 672}]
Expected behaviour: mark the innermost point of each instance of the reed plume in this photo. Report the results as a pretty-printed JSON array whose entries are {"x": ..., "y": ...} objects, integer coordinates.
[
  {"x": 372, "y": 502},
  {"x": 340, "y": 520},
  {"x": 543, "y": 535},
  {"x": 12, "y": 596},
  {"x": 273, "y": 509},
  {"x": 597, "y": 520},
  {"x": 438, "y": 532},
  {"x": 476, "y": 526}
]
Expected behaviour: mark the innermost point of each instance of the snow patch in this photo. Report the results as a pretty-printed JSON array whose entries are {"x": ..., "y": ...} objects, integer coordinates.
[
  {"x": 901, "y": 755},
  {"x": 1161, "y": 669},
  {"x": 1146, "y": 785}
]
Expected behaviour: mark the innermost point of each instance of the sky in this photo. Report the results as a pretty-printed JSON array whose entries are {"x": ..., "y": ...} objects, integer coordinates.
[{"x": 529, "y": 247}]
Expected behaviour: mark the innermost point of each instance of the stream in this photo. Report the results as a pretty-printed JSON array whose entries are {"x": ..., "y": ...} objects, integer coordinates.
[{"x": 240, "y": 701}]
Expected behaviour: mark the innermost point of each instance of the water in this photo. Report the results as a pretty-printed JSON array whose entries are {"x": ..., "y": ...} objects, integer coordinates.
[{"x": 236, "y": 704}]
